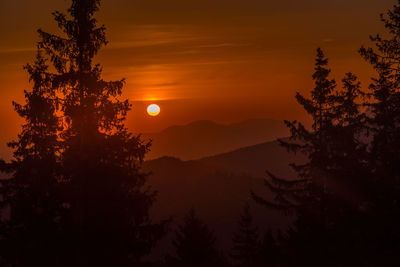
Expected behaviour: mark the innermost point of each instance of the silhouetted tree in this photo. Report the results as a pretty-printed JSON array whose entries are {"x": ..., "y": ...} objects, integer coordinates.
[
  {"x": 335, "y": 158},
  {"x": 270, "y": 250},
  {"x": 384, "y": 121},
  {"x": 75, "y": 140},
  {"x": 195, "y": 245},
  {"x": 246, "y": 248},
  {"x": 350, "y": 122},
  {"x": 314, "y": 143},
  {"x": 29, "y": 236}
]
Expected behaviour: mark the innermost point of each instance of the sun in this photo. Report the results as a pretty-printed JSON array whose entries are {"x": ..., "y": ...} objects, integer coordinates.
[{"x": 153, "y": 110}]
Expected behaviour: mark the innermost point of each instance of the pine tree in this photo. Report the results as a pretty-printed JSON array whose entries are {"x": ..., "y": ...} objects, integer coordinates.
[
  {"x": 385, "y": 106},
  {"x": 87, "y": 151},
  {"x": 336, "y": 156},
  {"x": 384, "y": 122},
  {"x": 29, "y": 236},
  {"x": 195, "y": 245},
  {"x": 270, "y": 253},
  {"x": 349, "y": 143},
  {"x": 314, "y": 143},
  {"x": 246, "y": 249}
]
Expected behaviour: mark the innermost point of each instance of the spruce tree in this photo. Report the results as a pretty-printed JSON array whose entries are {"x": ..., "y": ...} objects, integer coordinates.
[
  {"x": 349, "y": 153},
  {"x": 335, "y": 157},
  {"x": 30, "y": 235},
  {"x": 384, "y": 122},
  {"x": 385, "y": 106},
  {"x": 314, "y": 143},
  {"x": 195, "y": 245},
  {"x": 270, "y": 253},
  {"x": 246, "y": 248},
  {"x": 89, "y": 153}
]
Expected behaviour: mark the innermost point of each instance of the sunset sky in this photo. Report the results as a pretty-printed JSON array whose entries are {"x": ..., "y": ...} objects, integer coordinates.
[{"x": 222, "y": 60}]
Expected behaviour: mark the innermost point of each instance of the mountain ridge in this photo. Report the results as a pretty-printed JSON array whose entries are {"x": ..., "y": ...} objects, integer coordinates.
[
  {"x": 204, "y": 138},
  {"x": 218, "y": 186}
]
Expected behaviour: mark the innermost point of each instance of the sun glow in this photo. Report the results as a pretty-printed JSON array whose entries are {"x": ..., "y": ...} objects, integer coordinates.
[{"x": 153, "y": 110}]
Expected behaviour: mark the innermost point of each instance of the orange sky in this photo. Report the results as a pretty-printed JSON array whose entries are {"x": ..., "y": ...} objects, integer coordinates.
[{"x": 223, "y": 60}]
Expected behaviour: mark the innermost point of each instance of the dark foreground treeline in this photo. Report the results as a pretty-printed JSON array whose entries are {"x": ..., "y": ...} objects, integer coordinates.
[{"x": 77, "y": 196}]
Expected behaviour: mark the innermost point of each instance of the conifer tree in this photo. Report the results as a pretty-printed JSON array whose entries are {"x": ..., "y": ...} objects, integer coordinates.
[
  {"x": 270, "y": 253},
  {"x": 348, "y": 152},
  {"x": 335, "y": 157},
  {"x": 384, "y": 122},
  {"x": 246, "y": 249},
  {"x": 385, "y": 105},
  {"x": 76, "y": 120},
  {"x": 29, "y": 236},
  {"x": 195, "y": 245},
  {"x": 314, "y": 143}
]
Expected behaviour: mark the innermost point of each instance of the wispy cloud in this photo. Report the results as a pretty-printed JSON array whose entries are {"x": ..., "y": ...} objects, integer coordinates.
[
  {"x": 221, "y": 45},
  {"x": 189, "y": 37},
  {"x": 7, "y": 50},
  {"x": 328, "y": 40},
  {"x": 155, "y": 35}
]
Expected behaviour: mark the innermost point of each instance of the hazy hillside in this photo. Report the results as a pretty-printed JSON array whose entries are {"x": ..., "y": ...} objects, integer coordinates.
[
  {"x": 206, "y": 138},
  {"x": 218, "y": 186},
  {"x": 255, "y": 160}
]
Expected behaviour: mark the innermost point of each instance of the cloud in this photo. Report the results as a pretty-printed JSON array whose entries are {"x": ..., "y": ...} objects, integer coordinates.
[
  {"x": 8, "y": 50},
  {"x": 327, "y": 40},
  {"x": 220, "y": 45}
]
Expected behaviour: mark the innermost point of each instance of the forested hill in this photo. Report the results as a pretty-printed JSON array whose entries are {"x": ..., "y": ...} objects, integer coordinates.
[{"x": 218, "y": 186}]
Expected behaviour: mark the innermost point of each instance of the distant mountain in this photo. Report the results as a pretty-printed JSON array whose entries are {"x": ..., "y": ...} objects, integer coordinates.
[
  {"x": 206, "y": 138},
  {"x": 254, "y": 160},
  {"x": 218, "y": 186}
]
